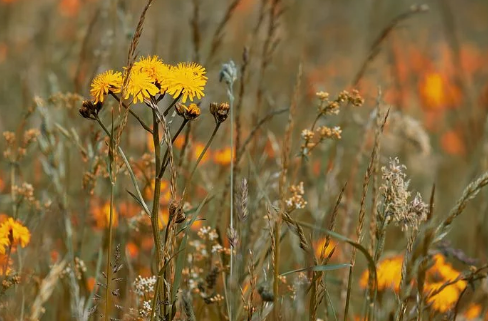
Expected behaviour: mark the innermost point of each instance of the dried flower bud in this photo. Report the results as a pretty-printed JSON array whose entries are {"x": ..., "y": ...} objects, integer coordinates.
[
  {"x": 192, "y": 112},
  {"x": 219, "y": 111},
  {"x": 89, "y": 109}
]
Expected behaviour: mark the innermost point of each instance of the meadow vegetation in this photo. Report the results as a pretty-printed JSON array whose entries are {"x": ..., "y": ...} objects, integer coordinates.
[{"x": 243, "y": 160}]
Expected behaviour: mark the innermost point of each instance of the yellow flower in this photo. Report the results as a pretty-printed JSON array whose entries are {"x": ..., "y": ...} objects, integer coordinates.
[
  {"x": 15, "y": 232},
  {"x": 140, "y": 86},
  {"x": 155, "y": 68},
  {"x": 439, "y": 274},
  {"x": 388, "y": 272},
  {"x": 4, "y": 243},
  {"x": 105, "y": 82},
  {"x": 187, "y": 80}
]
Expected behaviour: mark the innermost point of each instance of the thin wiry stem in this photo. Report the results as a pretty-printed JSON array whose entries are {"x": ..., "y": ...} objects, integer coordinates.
[
  {"x": 165, "y": 158},
  {"x": 155, "y": 208},
  {"x": 143, "y": 124},
  {"x": 110, "y": 223},
  {"x": 129, "y": 168}
]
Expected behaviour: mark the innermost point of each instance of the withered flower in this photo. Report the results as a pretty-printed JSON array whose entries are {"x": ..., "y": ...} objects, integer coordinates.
[
  {"x": 219, "y": 111},
  {"x": 188, "y": 113},
  {"x": 89, "y": 109}
]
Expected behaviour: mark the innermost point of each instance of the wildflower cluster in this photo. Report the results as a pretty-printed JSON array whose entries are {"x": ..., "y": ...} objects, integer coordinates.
[
  {"x": 16, "y": 149},
  {"x": 296, "y": 201},
  {"x": 78, "y": 268},
  {"x": 149, "y": 77},
  {"x": 314, "y": 136},
  {"x": 144, "y": 288}
]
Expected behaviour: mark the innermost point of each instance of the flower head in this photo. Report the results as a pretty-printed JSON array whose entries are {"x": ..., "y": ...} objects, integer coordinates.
[
  {"x": 388, "y": 273},
  {"x": 441, "y": 273},
  {"x": 15, "y": 232},
  {"x": 189, "y": 113},
  {"x": 104, "y": 83},
  {"x": 101, "y": 215},
  {"x": 186, "y": 80},
  {"x": 155, "y": 69},
  {"x": 140, "y": 86}
]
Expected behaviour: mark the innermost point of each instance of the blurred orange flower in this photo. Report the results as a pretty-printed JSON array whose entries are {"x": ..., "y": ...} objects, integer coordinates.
[
  {"x": 223, "y": 156},
  {"x": 131, "y": 249},
  {"x": 388, "y": 272},
  {"x": 437, "y": 92},
  {"x": 90, "y": 283},
  {"x": 198, "y": 149},
  {"x": 101, "y": 215},
  {"x": 69, "y": 8},
  {"x": 165, "y": 196},
  {"x": 452, "y": 143},
  {"x": 473, "y": 311},
  {"x": 439, "y": 274},
  {"x": 320, "y": 243}
]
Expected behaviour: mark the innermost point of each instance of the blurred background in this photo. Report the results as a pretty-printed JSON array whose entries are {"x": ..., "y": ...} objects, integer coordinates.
[{"x": 431, "y": 70}]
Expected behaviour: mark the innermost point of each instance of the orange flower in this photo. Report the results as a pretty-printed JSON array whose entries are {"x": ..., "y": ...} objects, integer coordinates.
[
  {"x": 452, "y": 143},
  {"x": 319, "y": 244},
  {"x": 388, "y": 272},
  {"x": 165, "y": 196},
  {"x": 437, "y": 93},
  {"x": 101, "y": 216},
  {"x": 132, "y": 250},
  {"x": 179, "y": 141},
  {"x": 223, "y": 156},
  {"x": 69, "y": 8},
  {"x": 90, "y": 283},
  {"x": 439, "y": 274},
  {"x": 473, "y": 311},
  {"x": 197, "y": 225},
  {"x": 197, "y": 150}
]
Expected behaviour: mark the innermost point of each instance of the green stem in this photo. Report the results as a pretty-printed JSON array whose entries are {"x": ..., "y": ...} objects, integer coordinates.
[
  {"x": 110, "y": 224},
  {"x": 171, "y": 105},
  {"x": 166, "y": 154},
  {"x": 155, "y": 209},
  {"x": 203, "y": 153}
]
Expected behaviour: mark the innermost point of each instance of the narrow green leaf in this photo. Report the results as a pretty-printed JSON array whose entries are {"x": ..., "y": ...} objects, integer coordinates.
[
  {"x": 362, "y": 249},
  {"x": 321, "y": 268}
]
